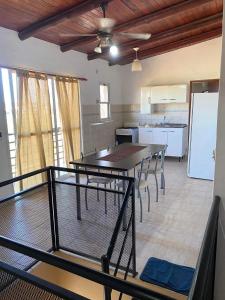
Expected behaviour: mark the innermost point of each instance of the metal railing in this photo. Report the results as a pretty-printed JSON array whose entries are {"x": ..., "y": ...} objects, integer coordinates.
[
  {"x": 99, "y": 277},
  {"x": 15, "y": 278},
  {"x": 113, "y": 221},
  {"x": 114, "y": 225},
  {"x": 203, "y": 283},
  {"x": 20, "y": 178},
  {"x": 128, "y": 255}
]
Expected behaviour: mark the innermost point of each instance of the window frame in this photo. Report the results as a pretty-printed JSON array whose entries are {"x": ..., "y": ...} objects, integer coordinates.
[
  {"x": 11, "y": 136},
  {"x": 105, "y": 102}
]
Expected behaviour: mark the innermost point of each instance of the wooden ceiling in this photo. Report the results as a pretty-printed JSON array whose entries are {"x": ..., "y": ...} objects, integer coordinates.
[{"x": 173, "y": 23}]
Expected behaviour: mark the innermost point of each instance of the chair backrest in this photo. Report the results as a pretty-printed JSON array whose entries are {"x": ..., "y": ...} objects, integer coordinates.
[
  {"x": 91, "y": 153},
  {"x": 159, "y": 159},
  {"x": 145, "y": 167},
  {"x": 111, "y": 146},
  {"x": 162, "y": 157},
  {"x": 83, "y": 155}
]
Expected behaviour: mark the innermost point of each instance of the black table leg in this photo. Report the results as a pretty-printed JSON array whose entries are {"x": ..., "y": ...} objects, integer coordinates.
[{"x": 78, "y": 194}]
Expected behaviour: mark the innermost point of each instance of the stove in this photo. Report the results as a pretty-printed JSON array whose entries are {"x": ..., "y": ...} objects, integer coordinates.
[{"x": 127, "y": 135}]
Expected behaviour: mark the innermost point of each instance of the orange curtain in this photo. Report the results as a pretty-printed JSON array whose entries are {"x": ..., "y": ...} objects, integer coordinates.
[
  {"x": 34, "y": 127},
  {"x": 69, "y": 109}
]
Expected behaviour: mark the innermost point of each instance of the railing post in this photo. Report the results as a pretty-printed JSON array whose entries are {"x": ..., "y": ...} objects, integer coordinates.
[
  {"x": 133, "y": 230},
  {"x": 55, "y": 209},
  {"x": 105, "y": 268},
  {"x": 52, "y": 221},
  {"x": 119, "y": 220},
  {"x": 78, "y": 193}
]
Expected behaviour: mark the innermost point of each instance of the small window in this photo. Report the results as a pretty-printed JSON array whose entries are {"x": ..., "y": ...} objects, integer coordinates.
[{"x": 104, "y": 102}]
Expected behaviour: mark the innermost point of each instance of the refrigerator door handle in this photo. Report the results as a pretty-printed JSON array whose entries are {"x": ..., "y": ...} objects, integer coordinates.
[{"x": 214, "y": 154}]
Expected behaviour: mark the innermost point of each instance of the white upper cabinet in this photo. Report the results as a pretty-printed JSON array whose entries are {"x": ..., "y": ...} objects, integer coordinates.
[
  {"x": 178, "y": 93},
  {"x": 169, "y": 94},
  {"x": 145, "y": 100},
  {"x": 159, "y": 94}
]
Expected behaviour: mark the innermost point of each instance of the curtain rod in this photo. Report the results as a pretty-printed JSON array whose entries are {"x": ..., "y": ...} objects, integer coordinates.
[{"x": 48, "y": 74}]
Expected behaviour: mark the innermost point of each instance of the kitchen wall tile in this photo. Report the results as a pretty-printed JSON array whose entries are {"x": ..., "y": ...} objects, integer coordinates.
[
  {"x": 103, "y": 134},
  {"x": 174, "y": 113}
]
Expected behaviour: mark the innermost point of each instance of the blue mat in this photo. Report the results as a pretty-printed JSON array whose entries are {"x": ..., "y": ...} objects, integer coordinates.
[{"x": 171, "y": 276}]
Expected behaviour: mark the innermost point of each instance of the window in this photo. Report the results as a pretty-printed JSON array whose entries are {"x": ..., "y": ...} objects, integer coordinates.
[
  {"x": 104, "y": 102},
  {"x": 10, "y": 97},
  {"x": 57, "y": 128}
]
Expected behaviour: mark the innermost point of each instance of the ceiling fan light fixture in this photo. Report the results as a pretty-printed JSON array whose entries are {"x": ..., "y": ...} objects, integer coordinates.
[
  {"x": 105, "y": 41},
  {"x": 114, "y": 51},
  {"x": 136, "y": 64},
  {"x": 98, "y": 49}
]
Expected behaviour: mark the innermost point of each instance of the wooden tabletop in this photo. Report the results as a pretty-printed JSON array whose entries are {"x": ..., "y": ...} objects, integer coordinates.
[{"x": 125, "y": 164}]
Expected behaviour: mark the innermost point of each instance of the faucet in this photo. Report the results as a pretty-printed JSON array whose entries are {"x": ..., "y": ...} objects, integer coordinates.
[{"x": 164, "y": 120}]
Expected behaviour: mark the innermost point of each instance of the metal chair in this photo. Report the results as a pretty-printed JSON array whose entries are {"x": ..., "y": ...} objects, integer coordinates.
[
  {"x": 158, "y": 168},
  {"x": 140, "y": 183},
  {"x": 98, "y": 181},
  {"x": 143, "y": 183},
  {"x": 112, "y": 146}
]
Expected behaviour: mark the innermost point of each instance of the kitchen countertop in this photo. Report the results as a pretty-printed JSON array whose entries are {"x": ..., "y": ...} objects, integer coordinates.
[{"x": 166, "y": 125}]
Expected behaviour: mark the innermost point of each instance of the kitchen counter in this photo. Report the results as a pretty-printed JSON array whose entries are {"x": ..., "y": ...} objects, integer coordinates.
[
  {"x": 166, "y": 125},
  {"x": 170, "y": 134}
]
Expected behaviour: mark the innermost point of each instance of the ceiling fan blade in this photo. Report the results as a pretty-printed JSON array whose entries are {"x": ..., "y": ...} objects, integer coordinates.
[
  {"x": 77, "y": 34},
  {"x": 105, "y": 24},
  {"x": 136, "y": 36}
]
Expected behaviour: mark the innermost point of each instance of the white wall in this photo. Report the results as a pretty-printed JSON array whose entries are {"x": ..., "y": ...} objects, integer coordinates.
[
  {"x": 201, "y": 61},
  {"x": 219, "y": 185},
  {"x": 47, "y": 57}
]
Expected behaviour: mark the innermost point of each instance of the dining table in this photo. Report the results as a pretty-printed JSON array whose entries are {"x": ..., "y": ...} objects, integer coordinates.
[{"x": 121, "y": 158}]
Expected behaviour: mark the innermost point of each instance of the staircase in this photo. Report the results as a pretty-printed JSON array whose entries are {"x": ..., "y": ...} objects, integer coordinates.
[{"x": 86, "y": 287}]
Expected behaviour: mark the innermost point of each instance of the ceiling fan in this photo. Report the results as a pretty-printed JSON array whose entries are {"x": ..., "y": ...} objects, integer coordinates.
[{"x": 105, "y": 33}]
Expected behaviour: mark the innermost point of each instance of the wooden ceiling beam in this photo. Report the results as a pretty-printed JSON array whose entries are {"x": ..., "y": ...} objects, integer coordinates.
[
  {"x": 73, "y": 11},
  {"x": 207, "y": 21},
  {"x": 171, "y": 46},
  {"x": 163, "y": 13},
  {"x": 148, "y": 18}
]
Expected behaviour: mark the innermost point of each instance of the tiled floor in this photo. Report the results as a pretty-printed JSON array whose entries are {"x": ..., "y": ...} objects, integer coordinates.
[{"x": 174, "y": 228}]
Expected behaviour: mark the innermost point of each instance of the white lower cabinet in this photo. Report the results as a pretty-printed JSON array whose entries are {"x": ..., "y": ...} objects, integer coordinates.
[
  {"x": 175, "y": 142},
  {"x": 146, "y": 135},
  {"x": 174, "y": 138},
  {"x": 160, "y": 136}
]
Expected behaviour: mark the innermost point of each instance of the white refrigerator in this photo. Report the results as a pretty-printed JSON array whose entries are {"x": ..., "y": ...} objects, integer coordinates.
[{"x": 202, "y": 138}]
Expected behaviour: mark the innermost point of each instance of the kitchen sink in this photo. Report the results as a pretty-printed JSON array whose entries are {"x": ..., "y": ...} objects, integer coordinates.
[
  {"x": 171, "y": 125},
  {"x": 165, "y": 125}
]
